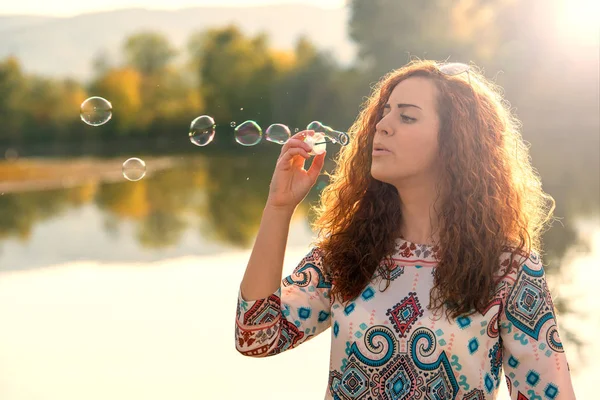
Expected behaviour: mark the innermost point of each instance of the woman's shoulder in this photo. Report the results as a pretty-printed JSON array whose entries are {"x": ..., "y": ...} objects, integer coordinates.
[{"x": 514, "y": 260}]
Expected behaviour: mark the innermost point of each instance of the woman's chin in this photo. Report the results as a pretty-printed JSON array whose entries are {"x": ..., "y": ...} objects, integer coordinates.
[{"x": 380, "y": 174}]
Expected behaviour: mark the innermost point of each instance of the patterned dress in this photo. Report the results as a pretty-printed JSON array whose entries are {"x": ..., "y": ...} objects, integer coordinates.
[{"x": 388, "y": 345}]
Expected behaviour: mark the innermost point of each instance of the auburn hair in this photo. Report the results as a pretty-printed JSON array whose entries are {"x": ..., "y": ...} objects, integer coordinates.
[{"x": 490, "y": 197}]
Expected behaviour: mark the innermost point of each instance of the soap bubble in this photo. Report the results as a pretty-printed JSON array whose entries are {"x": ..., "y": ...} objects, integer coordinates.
[
  {"x": 317, "y": 143},
  {"x": 96, "y": 111},
  {"x": 335, "y": 136},
  {"x": 232, "y": 124},
  {"x": 202, "y": 130},
  {"x": 277, "y": 133},
  {"x": 248, "y": 133},
  {"x": 134, "y": 169}
]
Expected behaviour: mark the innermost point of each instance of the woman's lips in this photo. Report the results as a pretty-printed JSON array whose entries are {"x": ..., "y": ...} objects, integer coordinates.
[{"x": 381, "y": 152}]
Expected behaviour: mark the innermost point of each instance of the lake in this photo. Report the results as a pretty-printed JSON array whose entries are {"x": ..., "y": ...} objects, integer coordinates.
[{"x": 111, "y": 289}]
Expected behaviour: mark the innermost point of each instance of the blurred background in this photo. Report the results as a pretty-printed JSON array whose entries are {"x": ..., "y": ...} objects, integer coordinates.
[{"x": 127, "y": 290}]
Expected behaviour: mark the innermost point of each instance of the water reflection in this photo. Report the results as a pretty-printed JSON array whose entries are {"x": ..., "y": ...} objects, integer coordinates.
[
  {"x": 56, "y": 211},
  {"x": 185, "y": 205},
  {"x": 219, "y": 199}
]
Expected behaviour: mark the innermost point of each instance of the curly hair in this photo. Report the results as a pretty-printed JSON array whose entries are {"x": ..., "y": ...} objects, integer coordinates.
[{"x": 491, "y": 198}]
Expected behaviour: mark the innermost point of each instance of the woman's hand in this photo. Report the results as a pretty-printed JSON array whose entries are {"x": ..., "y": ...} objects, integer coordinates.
[{"x": 291, "y": 182}]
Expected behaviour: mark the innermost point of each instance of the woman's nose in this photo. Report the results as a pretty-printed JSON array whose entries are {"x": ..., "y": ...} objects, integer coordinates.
[{"x": 382, "y": 128}]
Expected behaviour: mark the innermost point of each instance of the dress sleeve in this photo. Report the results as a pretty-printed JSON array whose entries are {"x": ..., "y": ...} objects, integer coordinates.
[
  {"x": 534, "y": 361},
  {"x": 299, "y": 310}
]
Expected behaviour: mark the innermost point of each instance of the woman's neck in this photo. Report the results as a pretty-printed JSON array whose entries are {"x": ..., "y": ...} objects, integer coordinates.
[{"x": 419, "y": 219}]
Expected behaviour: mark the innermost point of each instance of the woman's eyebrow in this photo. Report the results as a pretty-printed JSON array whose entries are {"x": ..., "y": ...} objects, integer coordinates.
[{"x": 403, "y": 105}]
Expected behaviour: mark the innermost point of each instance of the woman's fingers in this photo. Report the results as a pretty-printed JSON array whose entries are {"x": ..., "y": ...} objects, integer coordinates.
[
  {"x": 316, "y": 166},
  {"x": 297, "y": 141},
  {"x": 289, "y": 155}
]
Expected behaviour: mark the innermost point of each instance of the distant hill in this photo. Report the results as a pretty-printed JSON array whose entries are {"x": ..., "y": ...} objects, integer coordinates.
[{"x": 63, "y": 47}]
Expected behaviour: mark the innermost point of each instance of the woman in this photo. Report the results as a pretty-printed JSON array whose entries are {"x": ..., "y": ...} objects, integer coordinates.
[{"x": 426, "y": 265}]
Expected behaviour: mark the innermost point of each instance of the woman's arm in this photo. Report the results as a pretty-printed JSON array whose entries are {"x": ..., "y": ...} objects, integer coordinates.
[
  {"x": 263, "y": 273},
  {"x": 293, "y": 313},
  {"x": 534, "y": 360}
]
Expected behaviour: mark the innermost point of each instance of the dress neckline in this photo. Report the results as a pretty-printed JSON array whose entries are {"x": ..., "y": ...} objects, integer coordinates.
[{"x": 409, "y": 250}]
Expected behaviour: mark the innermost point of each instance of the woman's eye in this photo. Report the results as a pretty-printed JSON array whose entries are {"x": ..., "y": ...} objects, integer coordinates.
[{"x": 407, "y": 119}]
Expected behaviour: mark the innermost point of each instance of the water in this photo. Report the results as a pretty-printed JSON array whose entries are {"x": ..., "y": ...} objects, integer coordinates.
[{"x": 120, "y": 290}]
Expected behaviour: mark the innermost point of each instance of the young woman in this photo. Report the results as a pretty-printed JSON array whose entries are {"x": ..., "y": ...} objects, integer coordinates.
[{"x": 427, "y": 263}]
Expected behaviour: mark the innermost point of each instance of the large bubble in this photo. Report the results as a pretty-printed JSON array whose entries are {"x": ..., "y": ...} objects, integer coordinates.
[
  {"x": 96, "y": 111},
  {"x": 134, "y": 169},
  {"x": 202, "y": 130},
  {"x": 278, "y": 133},
  {"x": 248, "y": 133}
]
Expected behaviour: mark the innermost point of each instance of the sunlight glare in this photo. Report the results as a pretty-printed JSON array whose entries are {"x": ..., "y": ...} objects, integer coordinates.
[{"x": 579, "y": 21}]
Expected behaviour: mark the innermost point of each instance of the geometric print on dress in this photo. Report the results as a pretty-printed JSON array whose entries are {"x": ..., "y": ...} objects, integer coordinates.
[
  {"x": 495, "y": 355},
  {"x": 396, "y": 272},
  {"x": 305, "y": 272},
  {"x": 440, "y": 382},
  {"x": 404, "y": 314},
  {"x": 407, "y": 250},
  {"x": 289, "y": 337},
  {"x": 553, "y": 340},
  {"x": 268, "y": 311},
  {"x": 382, "y": 372},
  {"x": 264, "y": 311},
  {"x": 475, "y": 394},
  {"x": 529, "y": 304}
]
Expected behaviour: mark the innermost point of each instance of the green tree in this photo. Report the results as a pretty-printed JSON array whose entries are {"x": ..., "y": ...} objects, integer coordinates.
[
  {"x": 317, "y": 88},
  {"x": 389, "y": 32},
  {"x": 234, "y": 73},
  {"x": 148, "y": 52},
  {"x": 12, "y": 87}
]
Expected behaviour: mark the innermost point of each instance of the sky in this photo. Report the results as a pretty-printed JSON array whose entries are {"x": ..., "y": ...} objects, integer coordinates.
[{"x": 66, "y": 8}]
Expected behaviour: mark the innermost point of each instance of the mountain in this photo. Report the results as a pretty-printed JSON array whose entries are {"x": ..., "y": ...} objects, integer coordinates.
[
  {"x": 61, "y": 47},
  {"x": 8, "y": 22}
]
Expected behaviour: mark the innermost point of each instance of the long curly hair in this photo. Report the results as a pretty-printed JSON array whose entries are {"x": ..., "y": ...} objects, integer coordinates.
[{"x": 490, "y": 197}]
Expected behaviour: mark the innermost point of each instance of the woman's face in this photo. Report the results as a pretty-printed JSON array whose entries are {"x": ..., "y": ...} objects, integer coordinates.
[{"x": 405, "y": 145}]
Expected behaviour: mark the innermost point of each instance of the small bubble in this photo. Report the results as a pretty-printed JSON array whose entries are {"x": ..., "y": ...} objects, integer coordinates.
[
  {"x": 277, "y": 133},
  {"x": 134, "y": 169},
  {"x": 96, "y": 111},
  {"x": 247, "y": 179},
  {"x": 242, "y": 109},
  {"x": 232, "y": 124},
  {"x": 296, "y": 130},
  {"x": 202, "y": 130},
  {"x": 248, "y": 133}
]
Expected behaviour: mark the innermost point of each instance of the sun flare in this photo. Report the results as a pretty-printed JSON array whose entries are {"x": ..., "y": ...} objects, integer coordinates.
[{"x": 578, "y": 21}]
